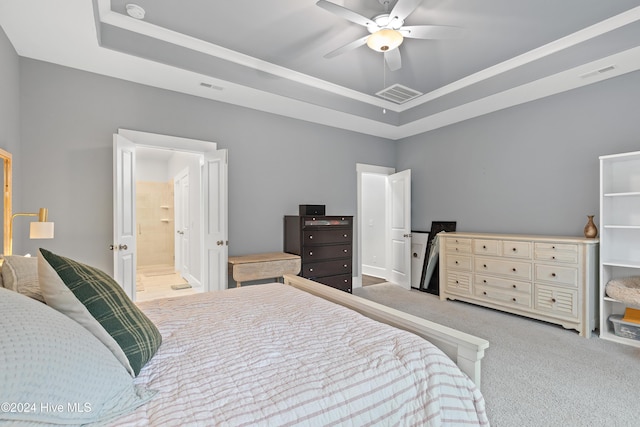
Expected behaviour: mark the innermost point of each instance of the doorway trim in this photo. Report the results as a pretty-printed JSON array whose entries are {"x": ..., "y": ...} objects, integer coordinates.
[
  {"x": 361, "y": 169},
  {"x": 200, "y": 147}
]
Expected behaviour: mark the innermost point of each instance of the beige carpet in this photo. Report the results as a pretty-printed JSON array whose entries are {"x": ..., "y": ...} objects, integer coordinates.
[{"x": 534, "y": 373}]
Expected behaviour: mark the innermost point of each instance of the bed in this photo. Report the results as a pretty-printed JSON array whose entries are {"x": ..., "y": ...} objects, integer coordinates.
[{"x": 292, "y": 353}]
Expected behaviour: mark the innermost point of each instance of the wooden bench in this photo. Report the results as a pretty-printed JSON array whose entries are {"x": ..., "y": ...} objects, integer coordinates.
[{"x": 271, "y": 265}]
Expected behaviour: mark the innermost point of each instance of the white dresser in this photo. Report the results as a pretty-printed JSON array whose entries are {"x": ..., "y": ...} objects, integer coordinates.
[{"x": 550, "y": 278}]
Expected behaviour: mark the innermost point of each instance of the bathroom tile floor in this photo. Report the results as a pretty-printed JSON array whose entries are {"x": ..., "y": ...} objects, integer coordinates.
[{"x": 155, "y": 281}]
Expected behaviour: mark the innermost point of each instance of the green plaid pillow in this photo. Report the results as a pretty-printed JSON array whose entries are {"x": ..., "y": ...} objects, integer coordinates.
[{"x": 93, "y": 299}]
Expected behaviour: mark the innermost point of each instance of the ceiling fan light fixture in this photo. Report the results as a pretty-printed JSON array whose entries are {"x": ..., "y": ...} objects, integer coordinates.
[{"x": 384, "y": 40}]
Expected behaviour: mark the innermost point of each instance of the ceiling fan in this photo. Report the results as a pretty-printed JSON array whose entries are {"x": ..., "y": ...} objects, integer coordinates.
[{"x": 387, "y": 31}]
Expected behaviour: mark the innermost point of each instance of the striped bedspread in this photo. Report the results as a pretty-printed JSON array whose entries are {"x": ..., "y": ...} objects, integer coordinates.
[{"x": 272, "y": 355}]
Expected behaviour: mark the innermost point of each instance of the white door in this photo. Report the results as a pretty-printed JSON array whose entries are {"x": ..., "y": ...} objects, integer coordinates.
[
  {"x": 399, "y": 228},
  {"x": 214, "y": 196},
  {"x": 124, "y": 214},
  {"x": 181, "y": 195}
]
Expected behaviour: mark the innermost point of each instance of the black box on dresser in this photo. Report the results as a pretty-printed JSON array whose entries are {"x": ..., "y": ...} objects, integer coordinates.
[{"x": 325, "y": 246}]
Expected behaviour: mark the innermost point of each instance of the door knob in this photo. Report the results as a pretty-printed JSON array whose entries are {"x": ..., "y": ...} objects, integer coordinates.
[
  {"x": 220, "y": 242},
  {"x": 123, "y": 247},
  {"x": 112, "y": 247}
]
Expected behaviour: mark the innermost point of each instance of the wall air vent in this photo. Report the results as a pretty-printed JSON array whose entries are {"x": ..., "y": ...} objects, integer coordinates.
[
  {"x": 210, "y": 86},
  {"x": 398, "y": 94},
  {"x": 598, "y": 72}
]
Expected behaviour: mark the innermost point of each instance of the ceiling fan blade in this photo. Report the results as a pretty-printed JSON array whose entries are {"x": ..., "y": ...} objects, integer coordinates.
[
  {"x": 347, "y": 47},
  {"x": 404, "y": 8},
  {"x": 393, "y": 59},
  {"x": 431, "y": 32},
  {"x": 345, "y": 13}
]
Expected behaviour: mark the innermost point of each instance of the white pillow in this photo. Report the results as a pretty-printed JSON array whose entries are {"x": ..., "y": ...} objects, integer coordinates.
[
  {"x": 20, "y": 274},
  {"x": 56, "y": 372}
]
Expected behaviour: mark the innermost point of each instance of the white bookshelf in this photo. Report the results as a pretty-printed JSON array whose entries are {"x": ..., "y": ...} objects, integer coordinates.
[{"x": 619, "y": 232}]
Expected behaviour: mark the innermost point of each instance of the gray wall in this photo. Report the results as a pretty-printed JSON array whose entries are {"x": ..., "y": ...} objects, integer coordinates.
[
  {"x": 9, "y": 112},
  {"x": 275, "y": 163},
  {"x": 529, "y": 169}
]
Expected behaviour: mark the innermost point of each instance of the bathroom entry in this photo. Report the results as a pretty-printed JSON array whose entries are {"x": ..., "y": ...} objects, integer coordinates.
[
  {"x": 208, "y": 252},
  {"x": 162, "y": 223}
]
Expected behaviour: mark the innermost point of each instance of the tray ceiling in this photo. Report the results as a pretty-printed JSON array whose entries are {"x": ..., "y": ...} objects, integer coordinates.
[{"x": 269, "y": 54}]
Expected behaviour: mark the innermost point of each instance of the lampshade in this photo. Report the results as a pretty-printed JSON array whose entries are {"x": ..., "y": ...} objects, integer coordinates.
[
  {"x": 41, "y": 230},
  {"x": 384, "y": 40}
]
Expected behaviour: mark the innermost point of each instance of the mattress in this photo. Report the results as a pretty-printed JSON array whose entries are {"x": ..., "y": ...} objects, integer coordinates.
[{"x": 274, "y": 355}]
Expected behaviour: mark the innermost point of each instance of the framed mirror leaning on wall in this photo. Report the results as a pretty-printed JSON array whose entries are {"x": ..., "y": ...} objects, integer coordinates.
[{"x": 6, "y": 199}]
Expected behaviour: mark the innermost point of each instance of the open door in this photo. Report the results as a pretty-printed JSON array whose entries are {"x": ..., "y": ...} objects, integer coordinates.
[
  {"x": 124, "y": 214},
  {"x": 399, "y": 228},
  {"x": 214, "y": 196},
  {"x": 214, "y": 205}
]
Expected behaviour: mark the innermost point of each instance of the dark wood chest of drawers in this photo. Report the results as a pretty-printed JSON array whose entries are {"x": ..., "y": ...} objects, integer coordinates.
[{"x": 325, "y": 245}]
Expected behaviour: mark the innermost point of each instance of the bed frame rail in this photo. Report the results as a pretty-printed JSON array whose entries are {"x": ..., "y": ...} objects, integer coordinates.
[{"x": 465, "y": 350}]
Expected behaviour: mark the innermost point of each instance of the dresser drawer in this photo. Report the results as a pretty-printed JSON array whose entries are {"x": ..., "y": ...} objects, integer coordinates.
[
  {"x": 557, "y": 274},
  {"x": 318, "y": 253},
  {"x": 558, "y": 302},
  {"x": 504, "y": 284},
  {"x": 326, "y": 268},
  {"x": 459, "y": 262},
  {"x": 516, "y": 249},
  {"x": 326, "y": 221},
  {"x": 503, "y": 297},
  {"x": 456, "y": 245},
  {"x": 486, "y": 247},
  {"x": 503, "y": 267},
  {"x": 342, "y": 281},
  {"x": 559, "y": 247},
  {"x": 458, "y": 283},
  {"x": 551, "y": 252},
  {"x": 320, "y": 237}
]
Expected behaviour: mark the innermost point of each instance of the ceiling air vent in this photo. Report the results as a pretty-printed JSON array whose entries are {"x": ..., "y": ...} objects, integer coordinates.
[{"x": 398, "y": 94}]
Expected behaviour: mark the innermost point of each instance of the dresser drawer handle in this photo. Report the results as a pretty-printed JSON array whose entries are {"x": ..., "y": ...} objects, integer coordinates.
[
  {"x": 311, "y": 269},
  {"x": 514, "y": 270},
  {"x": 514, "y": 250},
  {"x": 311, "y": 237},
  {"x": 456, "y": 262},
  {"x": 346, "y": 235},
  {"x": 484, "y": 265},
  {"x": 553, "y": 274},
  {"x": 553, "y": 300},
  {"x": 484, "y": 281},
  {"x": 484, "y": 293},
  {"x": 457, "y": 282},
  {"x": 345, "y": 266},
  {"x": 553, "y": 257},
  {"x": 514, "y": 300},
  {"x": 514, "y": 286},
  {"x": 345, "y": 251},
  {"x": 484, "y": 246},
  {"x": 310, "y": 253}
]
